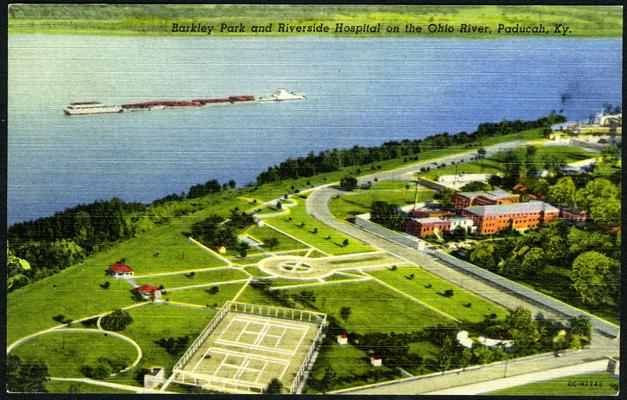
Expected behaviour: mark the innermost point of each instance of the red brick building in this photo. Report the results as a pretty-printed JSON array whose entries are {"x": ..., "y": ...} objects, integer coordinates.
[
  {"x": 574, "y": 215},
  {"x": 426, "y": 226},
  {"x": 496, "y": 196},
  {"x": 495, "y": 218}
]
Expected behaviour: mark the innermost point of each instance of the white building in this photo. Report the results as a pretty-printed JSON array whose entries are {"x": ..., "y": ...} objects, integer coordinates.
[{"x": 154, "y": 378}]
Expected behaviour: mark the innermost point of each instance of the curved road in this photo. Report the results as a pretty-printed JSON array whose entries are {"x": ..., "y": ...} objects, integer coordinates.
[{"x": 318, "y": 207}]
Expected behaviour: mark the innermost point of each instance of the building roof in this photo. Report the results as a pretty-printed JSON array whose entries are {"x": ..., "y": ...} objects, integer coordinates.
[
  {"x": 492, "y": 194},
  {"x": 120, "y": 268},
  {"x": 146, "y": 289},
  {"x": 430, "y": 220},
  {"x": 499, "y": 209}
]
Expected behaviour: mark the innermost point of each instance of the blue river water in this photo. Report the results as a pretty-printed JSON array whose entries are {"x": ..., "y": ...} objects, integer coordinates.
[{"x": 360, "y": 91}]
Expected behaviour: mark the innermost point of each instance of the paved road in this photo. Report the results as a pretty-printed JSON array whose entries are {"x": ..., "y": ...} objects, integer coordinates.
[{"x": 317, "y": 206}]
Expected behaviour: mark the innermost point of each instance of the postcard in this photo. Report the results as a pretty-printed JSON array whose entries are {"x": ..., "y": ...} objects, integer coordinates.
[{"x": 304, "y": 199}]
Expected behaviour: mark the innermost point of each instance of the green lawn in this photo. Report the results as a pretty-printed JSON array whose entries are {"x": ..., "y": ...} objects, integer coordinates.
[
  {"x": 606, "y": 385},
  {"x": 433, "y": 295},
  {"x": 256, "y": 272},
  {"x": 494, "y": 164},
  {"x": 203, "y": 297},
  {"x": 65, "y": 352},
  {"x": 345, "y": 360},
  {"x": 75, "y": 291},
  {"x": 81, "y": 387},
  {"x": 292, "y": 225},
  {"x": 199, "y": 278},
  {"x": 360, "y": 201},
  {"x": 156, "y": 321},
  {"x": 285, "y": 242},
  {"x": 373, "y": 308},
  {"x": 165, "y": 251}
]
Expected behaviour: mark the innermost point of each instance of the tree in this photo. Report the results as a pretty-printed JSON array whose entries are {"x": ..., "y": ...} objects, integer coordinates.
[
  {"x": 271, "y": 243},
  {"x": 116, "y": 321},
  {"x": 345, "y": 242},
  {"x": 345, "y": 312},
  {"x": 593, "y": 277},
  {"x": 329, "y": 379},
  {"x": 348, "y": 183},
  {"x": 606, "y": 212},
  {"x": 232, "y": 184},
  {"x": 533, "y": 261},
  {"x": 213, "y": 290},
  {"x": 445, "y": 197},
  {"x": 274, "y": 387},
  {"x": 29, "y": 376},
  {"x": 242, "y": 249},
  {"x": 482, "y": 255},
  {"x": 563, "y": 192}
]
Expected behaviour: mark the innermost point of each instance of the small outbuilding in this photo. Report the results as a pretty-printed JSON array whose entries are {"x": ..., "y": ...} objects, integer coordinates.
[
  {"x": 148, "y": 292},
  {"x": 154, "y": 378},
  {"x": 220, "y": 249},
  {"x": 375, "y": 360},
  {"x": 120, "y": 270},
  {"x": 342, "y": 338}
]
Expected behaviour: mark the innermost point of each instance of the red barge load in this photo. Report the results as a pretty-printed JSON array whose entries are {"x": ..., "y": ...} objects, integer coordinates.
[{"x": 97, "y": 108}]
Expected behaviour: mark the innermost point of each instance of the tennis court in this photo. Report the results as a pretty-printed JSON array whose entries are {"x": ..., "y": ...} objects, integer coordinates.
[{"x": 245, "y": 352}]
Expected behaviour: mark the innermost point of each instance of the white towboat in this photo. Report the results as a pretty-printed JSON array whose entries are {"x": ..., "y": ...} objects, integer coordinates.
[
  {"x": 283, "y": 95},
  {"x": 90, "y": 107}
]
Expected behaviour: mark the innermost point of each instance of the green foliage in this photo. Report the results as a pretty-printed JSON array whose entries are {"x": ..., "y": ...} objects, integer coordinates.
[
  {"x": 595, "y": 278},
  {"x": 475, "y": 186},
  {"x": 274, "y": 387},
  {"x": 388, "y": 215},
  {"x": 348, "y": 183},
  {"x": 334, "y": 160},
  {"x": 174, "y": 345},
  {"x": 345, "y": 312},
  {"x": 116, "y": 321},
  {"x": 445, "y": 197},
  {"x": 563, "y": 192},
  {"x": 26, "y": 375},
  {"x": 483, "y": 256}
]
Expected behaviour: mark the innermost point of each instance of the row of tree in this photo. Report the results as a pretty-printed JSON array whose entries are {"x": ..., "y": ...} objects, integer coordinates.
[{"x": 335, "y": 160}]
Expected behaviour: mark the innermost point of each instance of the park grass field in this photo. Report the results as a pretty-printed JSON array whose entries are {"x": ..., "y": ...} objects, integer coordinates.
[
  {"x": 202, "y": 296},
  {"x": 360, "y": 201},
  {"x": 256, "y": 272},
  {"x": 566, "y": 387},
  {"x": 374, "y": 308},
  {"x": 494, "y": 164},
  {"x": 160, "y": 321},
  {"x": 434, "y": 295},
  {"x": 75, "y": 292},
  {"x": 65, "y": 352},
  {"x": 292, "y": 224},
  {"x": 80, "y": 388},
  {"x": 285, "y": 242},
  {"x": 346, "y": 361},
  {"x": 166, "y": 251},
  {"x": 199, "y": 278}
]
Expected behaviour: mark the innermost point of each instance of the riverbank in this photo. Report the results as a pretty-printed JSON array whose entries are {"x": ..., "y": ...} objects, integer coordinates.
[{"x": 382, "y": 21}]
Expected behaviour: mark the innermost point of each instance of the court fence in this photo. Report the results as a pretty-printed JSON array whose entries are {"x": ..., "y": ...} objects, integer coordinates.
[{"x": 191, "y": 378}]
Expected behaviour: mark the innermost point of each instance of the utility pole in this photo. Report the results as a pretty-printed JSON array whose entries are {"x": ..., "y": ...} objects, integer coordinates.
[{"x": 416, "y": 195}]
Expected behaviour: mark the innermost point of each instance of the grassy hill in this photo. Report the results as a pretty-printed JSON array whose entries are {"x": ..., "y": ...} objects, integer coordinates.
[{"x": 148, "y": 19}]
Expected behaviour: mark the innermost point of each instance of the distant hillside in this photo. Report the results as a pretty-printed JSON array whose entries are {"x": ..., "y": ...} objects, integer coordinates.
[{"x": 157, "y": 19}]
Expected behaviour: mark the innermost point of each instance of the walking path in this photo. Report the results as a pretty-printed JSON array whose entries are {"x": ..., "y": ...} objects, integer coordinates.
[
  {"x": 136, "y": 389},
  {"x": 601, "y": 347},
  {"x": 504, "y": 383}
]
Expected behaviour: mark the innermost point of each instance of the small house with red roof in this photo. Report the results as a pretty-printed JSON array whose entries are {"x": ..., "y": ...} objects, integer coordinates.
[
  {"x": 220, "y": 248},
  {"x": 375, "y": 360},
  {"x": 342, "y": 338},
  {"x": 148, "y": 291},
  {"x": 120, "y": 270}
]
